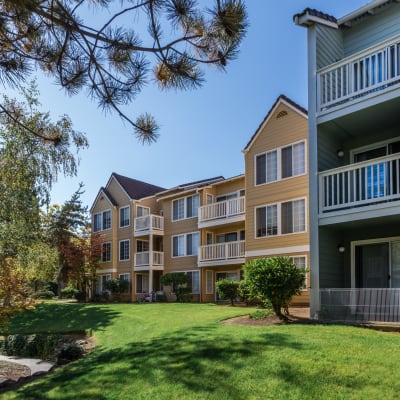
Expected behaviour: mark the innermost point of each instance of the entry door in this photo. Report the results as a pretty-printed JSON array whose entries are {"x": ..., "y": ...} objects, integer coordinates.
[{"x": 372, "y": 266}]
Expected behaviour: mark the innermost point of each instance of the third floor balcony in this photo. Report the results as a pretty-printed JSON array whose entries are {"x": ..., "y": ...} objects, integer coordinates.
[
  {"x": 149, "y": 224},
  {"x": 372, "y": 75},
  {"x": 222, "y": 212}
]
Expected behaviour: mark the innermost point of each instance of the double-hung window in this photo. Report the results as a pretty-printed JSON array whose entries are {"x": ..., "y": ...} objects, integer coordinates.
[
  {"x": 280, "y": 218},
  {"x": 185, "y": 245},
  {"x": 124, "y": 250},
  {"x": 186, "y": 207},
  {"x": 300, "y": 262},
  {"x": 280, "y": 163},
  {"x": 124, "y": 216},
  {"x": 106, "y": 252},
  {"x": 102, "y": 221}
]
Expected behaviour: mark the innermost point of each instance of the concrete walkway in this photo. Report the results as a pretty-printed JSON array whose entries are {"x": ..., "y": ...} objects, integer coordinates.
[{"x": 34, "y": 364}]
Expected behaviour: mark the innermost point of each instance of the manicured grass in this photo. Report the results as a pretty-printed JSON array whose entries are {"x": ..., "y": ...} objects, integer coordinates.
[{"x": 181, "y": 351}]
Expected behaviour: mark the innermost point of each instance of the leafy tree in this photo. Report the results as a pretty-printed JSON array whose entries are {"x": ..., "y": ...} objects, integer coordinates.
[
  {"x": 274, "y": 279},
  {"x": 180, "y": 285},
  {"x": 228, "y": 289},
  {"x": 29, "y": 167},
  {"x": 116, "y": 57},
  {"x": 117, "y": 287}
]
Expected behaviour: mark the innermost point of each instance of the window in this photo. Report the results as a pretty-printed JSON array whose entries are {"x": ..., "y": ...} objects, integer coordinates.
[
  {"x": 281, "y": 218},
  {"x": 194, "y": 281},
  {"x": 124, "y": 250},
  {"x": 185, "y": 245},
  {"x": 142, "y": 283},
  {"x": 186, "y": 207},
  {"x": 267, "y": 221},
  {"x": 142, "y": 211},
  {"x": 126, "y": 277},
  {"x": 124, "y": 216},
  {"x": 293, "y": 216},
  {"x": 209, "y": 282},
  {"x": 106, "y": 252},
  {"x": 141, "y": 246},
  {"x": 300, "y": 262},
  {"x": 106, "y": 219},
  {"x": 292, "y": 163},
  {"x": 100, "y": 285},
  {"x": 102, "y": 221}
]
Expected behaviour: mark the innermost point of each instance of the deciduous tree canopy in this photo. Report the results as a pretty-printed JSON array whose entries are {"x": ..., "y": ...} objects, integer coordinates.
[{"x": 116, "y": 50}]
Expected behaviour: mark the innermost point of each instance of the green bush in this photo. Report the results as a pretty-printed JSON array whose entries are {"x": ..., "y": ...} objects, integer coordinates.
[
  {"x": 117, "y": 287},
  {"x": 228, "y": 289},
  {"x": 274, "y": 279},
  {"x": 69, "y": 292},
  {"x": 180, "y": 284},
  {"x": 43, "y": 294},
  {"x": 162, "y": 298},
  {"x": 68, "y": 352},
  {"x": 37, "y": 345},
  {"x": 262, "y": 314}
]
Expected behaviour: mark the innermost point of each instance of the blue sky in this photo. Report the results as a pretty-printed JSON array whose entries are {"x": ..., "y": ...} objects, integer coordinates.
[{"x": 204, "y": 131}]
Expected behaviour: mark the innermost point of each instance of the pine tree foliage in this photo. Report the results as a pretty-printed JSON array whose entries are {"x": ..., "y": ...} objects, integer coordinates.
[{"x": 103, "y": 46}]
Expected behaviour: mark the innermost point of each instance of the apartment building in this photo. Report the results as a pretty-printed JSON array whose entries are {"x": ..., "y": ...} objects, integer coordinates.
[
  {"x": 354, "y": 98},
  {"x": 208, "y": 229}
]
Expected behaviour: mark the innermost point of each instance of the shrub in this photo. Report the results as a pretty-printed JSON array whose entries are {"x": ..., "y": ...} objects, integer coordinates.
[
  {"x": 162, "y": 298},
  {"x": 180, "y": 284},
  {"x": 68, "y": 352},
  {"x": 228, "y": 289},
  {"x": 274, "y": 279},
  {"x": 117, "y": 287},
  {"x": 43, "y": 294},
  {"x": 69, "y": 292},
  {"x": 37, "y": 345},
  {"x": 262, "y": 314}
]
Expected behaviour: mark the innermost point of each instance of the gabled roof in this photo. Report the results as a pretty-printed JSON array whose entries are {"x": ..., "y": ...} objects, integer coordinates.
[
  {"x": 105, "y": 192},
  {"x": 136, "y": 189},
  {"x": 282, "y": 99},
  {"x": 190, "y": 186}
]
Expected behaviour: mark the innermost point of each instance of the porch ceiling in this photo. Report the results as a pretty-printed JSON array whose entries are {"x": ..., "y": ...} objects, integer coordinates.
[{"x": 367, "y": 120}]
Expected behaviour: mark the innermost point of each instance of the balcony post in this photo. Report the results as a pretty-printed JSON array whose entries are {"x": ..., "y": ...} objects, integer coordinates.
[{"x": 151, "y": 268}]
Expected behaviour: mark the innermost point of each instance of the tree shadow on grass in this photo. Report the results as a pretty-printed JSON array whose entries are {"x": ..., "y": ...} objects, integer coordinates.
[
  {"x": 63, "y": 317},
  {"x": 191, "y": 362}
]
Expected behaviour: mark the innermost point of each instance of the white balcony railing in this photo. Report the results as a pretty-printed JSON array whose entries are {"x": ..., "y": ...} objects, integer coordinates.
[
  {"x": 221, "y": 251},
  {"x": 222, "y": 209},
  {"x": 359, "y": 75},
  {"x": 360, "y": 184},
  {"x": 147, "y": 223},
  {"x": 143, "y": 258},
  {"x": 360, "y": 305}
]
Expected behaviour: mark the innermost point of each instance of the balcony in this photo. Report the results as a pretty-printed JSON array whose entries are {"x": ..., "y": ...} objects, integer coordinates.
[
  {"x": 149, "y": 224},
  {"x": 222, "y": 212},
  {"x": 360, "y": 305},
  {"x": 374, "y": 71},
  {"x": 366, "y": 186},
  {"x": 142, "y": 261},
  {"x": 221, "y": 254}
]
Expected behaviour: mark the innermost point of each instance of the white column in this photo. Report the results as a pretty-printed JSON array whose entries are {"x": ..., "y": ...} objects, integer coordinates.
[{"x": 151, "y": 267}]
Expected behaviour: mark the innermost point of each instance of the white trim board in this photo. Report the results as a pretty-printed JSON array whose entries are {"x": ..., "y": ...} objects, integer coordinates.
[{"x": 277, "y": 251}]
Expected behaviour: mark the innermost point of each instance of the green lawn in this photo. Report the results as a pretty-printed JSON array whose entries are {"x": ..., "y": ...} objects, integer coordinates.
[{"x": 181, "y": 351}]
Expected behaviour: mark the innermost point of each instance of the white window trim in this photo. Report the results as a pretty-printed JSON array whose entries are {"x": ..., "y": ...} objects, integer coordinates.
[
  {"x": 108, "y": 242},
  {"x": 129, "y": 214},
  {"x": 101, "y": 219},
  {"x": 141, "y": 240},
  {"x": 125, "y": 274},
  {"x": 144, "y": 207},
  {"x": 237, "y": 192},
  {"x": 119, "y": 250},
  {"x": 142, "y": 275},
  {"x": 185, "y": 244},
  {"x": 279, "y": 163},
  {"x": 101, "y": 280},
  {"x": 184, "y": 208},
  {"x": 305, "y": 263},
  {"x": 279, "y": 218}
]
